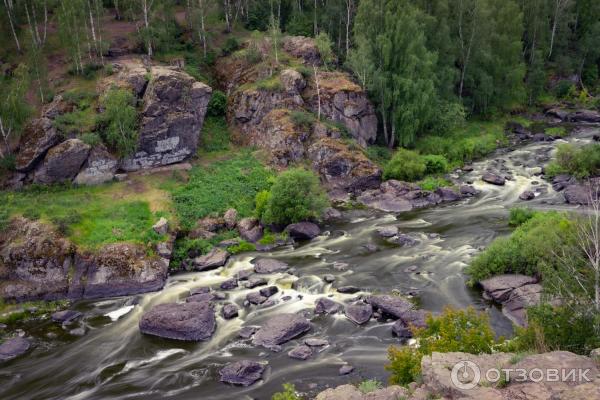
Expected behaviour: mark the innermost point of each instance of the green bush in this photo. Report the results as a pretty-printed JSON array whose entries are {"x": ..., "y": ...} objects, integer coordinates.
[
  {"x": 565, "y": 89},
  {"x": 260, "y": 203},
  {"x": 435, "y": 164},
  {"x": 217, "y": 106},
  {"x": 454, "y": 330},
  {"x": 518, "y": 216},
  {"x": 272, "y": 84},
  {"x": 7, "y": 163},
  {"x": 242, "y": 247},
  {"x": 380, "y": 155},
  {"x": 529, "y": 250},
  {"x": 289, "y": 393},
  {"x": 556, "y": 131},
  {"x": 370, "y": 385},
  {"x": 91, "y": 138},
  {"x": 296, "y": 195},
  {"x": 215, "y": 135},
  {"x": 4, "y": 219},
  {"x": 302, "y": 119},
  {"x": 581, "y": 162},
  {"x": 119, "y": 121},
  {"x": 231, "y": 45},
  {"x": 433, "y": 183},
  {"x": 405, "y": 165}
]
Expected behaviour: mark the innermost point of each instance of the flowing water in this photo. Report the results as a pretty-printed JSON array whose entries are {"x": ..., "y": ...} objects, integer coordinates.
[{"x": 114, "y": 361}]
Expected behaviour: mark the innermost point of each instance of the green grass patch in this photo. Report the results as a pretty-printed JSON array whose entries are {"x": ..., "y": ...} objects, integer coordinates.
[
  {"x": 13, "y": 313},
  {"x": 380, "y": 155},
  {"x": 212, "y": 189},
  {"x": 581, "y": 162},
  {"x": 215, "y": 135},
  {"x": 556, "y": 131},
  {"x": 432, "y": 183}
]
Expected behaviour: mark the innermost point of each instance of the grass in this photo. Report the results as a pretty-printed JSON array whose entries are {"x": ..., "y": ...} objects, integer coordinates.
[
  {"x": 224, "y": 184},
  {"x": 95, "y": 216},
  {"x": 380, "y": 155},
  {"x": 215, "y": 135},
  {"x": 13, "y": 313},
  {"x": 84, "y": 117},
  {"x": 432, "y": 183},
  {"x": 557, "y": 131}
]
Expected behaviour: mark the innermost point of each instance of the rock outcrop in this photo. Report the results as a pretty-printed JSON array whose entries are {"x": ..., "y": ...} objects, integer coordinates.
[
  {"x": 38, "y": 137},
  {"x": 100, "y": 167},
  {"x": 192, "y": 321},
  {"x": 243, "y": 372},
  {"x": 13, "y": 348},
  {"x": 62, "y": 162},
  {"x": 515, "y": 293},
  {"x": 280, "y": 329}
]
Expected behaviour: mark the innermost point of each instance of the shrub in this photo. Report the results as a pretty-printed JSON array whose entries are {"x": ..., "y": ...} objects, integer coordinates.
[
  {"x": 518, "y": 216},
  {"x": 380, "y": 155},
  {"x": 405, "y": 165},
  {"x": 289, "y": 393},
  {"x": 217, "y": 104},
  {"x": 91, "y": 138},
  {"x": 231, "y": 45},
  {"x": 556, "y": 131},
  {"x": 370, "y": 385},
  {"x": 435, "y": 164},
  {"x": 302, "y": 119},
  {"x": 120, "y": 121},
  {"x": 564, "y": 89},
  {"x": 7, "y": 163},
  {"x": 581, "y": 162},
  {"x": 241, "y": 247},
  {"x": 272, "y": 84},
  {"x": 325, "y": 47},
  {"x": 296, "y": 195},
  {"x": 432, "y": 183},
  {"x": 4, "y": 219},
  {"x": 260, "y": 203},
  {"x": 454, "y": 330},
  {"x": 215, "y": 134},
  {"x": 529, "y": 250}
]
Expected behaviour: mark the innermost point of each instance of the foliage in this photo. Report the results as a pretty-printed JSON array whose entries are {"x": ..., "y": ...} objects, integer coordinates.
[
  {"x": 454, "y": 330},
  {"x": 7, "y": 163},
  {"x": 435, "y": 164},
  {"x": 432, "y": 183},
  {"x": 91, "y": 138},
  {"x": 556, "y": 131},
  {"x": 231, "y": 45},
  {"x": 324, "y": 45},
  {"x": 241, "y": 247},
  {"x": 4, "y": 219},
  {"x": 302, "y": 119},
  {"x": 564, "y": 89},
  {"x": 119, "y": 121},
  {"x": 289, "y": 393},
  {"x": 215, "y": 135},
  {"x": 296, "y": 195},
  {"x": 369, "y": 385},
  {"x": 581, "y": 162},
  {"x": 260, "y": 203},
  {"x": 380, "y": 155},
  {"x": 217, "y": 104},
  {"x": 11, "y": 314},
  {"x": 14, "y": 110},
  {"x": 272, "y": 84},
  {"x": 405, "y": 165},
  {"x": 229, "y": 183},
  {"x": 185, "y": 247},
  {"x": 519, "y": 215},
  {"x": 558, "y": 328},
  {"x": 531, "y": 249}
]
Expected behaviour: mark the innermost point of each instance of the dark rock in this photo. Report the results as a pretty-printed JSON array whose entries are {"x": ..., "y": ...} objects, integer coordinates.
[
  {"x": 187, "y": 321},
  {"x": 268, "y": 291},
  {"x": 515, "y": 308},
  {"x": 303, "y": 47},
  {"x": 229, "y": 284},
  {"x": 38, "y": 137},
  {"x": 244, "y": 274},
  {"x": 255, "y": 281},
  {"x": 280, "y": 329},
  {"x": 316, "y": 342},
  {"x": 300, "y": 353},
  {"x": 402, "y": 330},
  {"x": 13, "y": 348},
  {"x": 346, "y": 369},
  {"x": 582, "y": 193},
  {"x": 248, "y": 331},
  {"x": 447, "y": 194},
  {"x": 493, "y": 179},
  {"x": 201, "y": 298},
  {"x": 269, "y": 266},
  {"x": 584, "y": 116},
  {"x": 416, "y": 318},
  {"x": 327, "y": 306},
  {"x": 371, "y": 248},
  {"x": 387, "y": 231},
  {"x": 540, "y": 137},
  {"x": 199, "y": 290},
  {"x": 100, "y": 167},
  {"x": 210, "y": 224},
  {"x": 329, "y": 278},
  {"x": 243, "y": 373},
  {"x": 255, "y": 298},
  {"x": 394, "y": 306},
  {"x": 557, "y": 113},
  {"x": 250, "y": 229},
  {"x": 527, "y": 195},
  {"x": 228, "y": 243},
  {"x": 66, "y": 316},
  {"x": 348, "y": 289},
  {"x": 330, "y": 214},
  {"x": 172, "y": 117},
  {"x": 229, "y": 311},
  {"x": 303, "y": 231},
  {"x": 161, "y": 227},
  {"x": 62, "y": 162},
  {"x": 359, "y": 313},
  {"x": 214, "y": 259},
  {"x": 403, "y": 240}
]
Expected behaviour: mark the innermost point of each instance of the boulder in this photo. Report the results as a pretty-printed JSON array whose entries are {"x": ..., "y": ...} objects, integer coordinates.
[
  {"x": 250, "y": 229},
  {"x": 38, "y": 137},
  {"x": 494, "y": 179},
  {"x": 229, "y": 284},
  {"x": 515, "y": 308},
  {"x": 447, "y": 194},
  {"x": 346, "y": 369},
  {"x": 557, "y": 113},
  {"x": 359, "y": 313},
  {"x": 330, "y": 214},
  {"x": 393, "y": 306},
  {"x": 213, "y": 259},
  {"x": 387, "y": 231},
  {"x": 300, "y": 353},
  {"x": 562, "y": 181},
  {"x": 280, "y": 329},
  {"x": 582, "y": 193},
  {"x": 403, "y": 239},
  {"x": 303, "y": 230},
  {"x": 66, "y": 316},
  {"x": 243, "y": 372},
  {"x": 268, "y": 291},
  {"x": 325, "y": 305},
  {"x": 527, "y": 195},
  {"x": 269, "y": 266},
  {"x": 402, "y": 330},
  {"x": 230, "y": 218},
  {"x": 62, "y": 162},
  {"x": 13, "y": 348},
  {"x": 100, "y": 167},
  {"x": 171, "y": 121},
  {"x": 255, "y": 298},
  {"x": 188, "y": 321},
  {"x": 302, "y": 47},
  {"x": 500, "y": 287},
  {"x": 211, "y": 224},
  {"x": 201, "y": 297},
  {"x": 247, "y": 332},
  {"x": 316, "y": 342},
  {"x": 584, "y": 116},
  {"x": 229, "y": 311},
  {"x": 344, "y": 392},
  {"x": 161, "y": 227},
  {"x": 348, "y": 289},
  {"x": 292, "y": 80},
  {"x": 467, "y": 191}
]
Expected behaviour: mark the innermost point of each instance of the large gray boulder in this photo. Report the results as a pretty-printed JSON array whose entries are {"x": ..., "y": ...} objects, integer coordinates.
[
  {"x": 100, "y": 167},
  {"x": 493, "y": 179},
  {"x": 38, "y": 137},
  {"x": 13, "y": 348},
  {"x": 62, "y": 162},
  {"x": 325, "y": 305},
  {"x": 394, "y": 306},
  {"x": 515, "y": 293},
  {"x": 174, "y": 108},
  {"x": 359, "y": 313},
  {"x": 303, "y": 230},
  {"x": 500, "y": 287},
  {"x": 213, "y": 259},
  {"x": 269, "y": 266},
  {"x": 250, "y": 229},
  {"x": 280, "y": 329},
  {"x": 192, "y": 321},
  {"x": 243, "y": 372}
]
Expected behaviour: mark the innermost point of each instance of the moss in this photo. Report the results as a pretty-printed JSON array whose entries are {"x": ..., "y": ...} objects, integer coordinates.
[{"x": 11, "y": 314}]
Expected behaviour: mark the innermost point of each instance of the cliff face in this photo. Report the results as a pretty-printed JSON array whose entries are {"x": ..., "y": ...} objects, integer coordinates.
[
  {"x": 276, "y": 108},
  {"x": 173, "y": 109}
]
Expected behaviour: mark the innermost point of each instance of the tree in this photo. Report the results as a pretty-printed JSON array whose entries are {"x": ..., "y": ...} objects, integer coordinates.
[
  {"x": 120, "y": 121},
  {"x": 9, "y": 8},
  {"x": 14, "y": 110}
]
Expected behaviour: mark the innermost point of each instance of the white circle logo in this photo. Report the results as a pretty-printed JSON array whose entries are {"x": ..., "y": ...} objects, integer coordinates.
[{"x": 465, "y": 375}]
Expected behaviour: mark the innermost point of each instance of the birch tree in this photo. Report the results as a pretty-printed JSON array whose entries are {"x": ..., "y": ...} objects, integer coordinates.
[
  {"x": 9, "y": 8},
  {"x": 559, "y": 8},
  {"x": 14, "y": 110}
]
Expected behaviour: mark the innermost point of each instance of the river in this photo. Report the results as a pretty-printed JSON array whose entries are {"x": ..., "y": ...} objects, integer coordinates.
[{"x": 114, "y": 361}]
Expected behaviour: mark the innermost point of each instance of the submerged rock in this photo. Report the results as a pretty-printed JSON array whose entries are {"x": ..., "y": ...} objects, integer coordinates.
[
  {"x": 269, "y": 266},
  {"x": 243, "y": 372},
  {"x": 394, "y": 306},
  {"x": 188, "y": 321},
  {"x": 300, "y": 353},
  {"x": 13, "y": 348},
  {"x": 359, "y": 313},
  {"x": 527, "y": 195},
  {"x": 493, "y": 179},
  {"x": 280, "y": 329},
  {"x": 325, "y": 305},
  {"x": 66, "y": 316}
]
